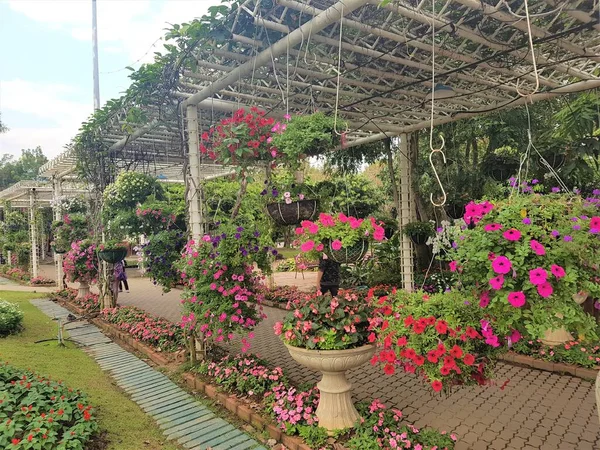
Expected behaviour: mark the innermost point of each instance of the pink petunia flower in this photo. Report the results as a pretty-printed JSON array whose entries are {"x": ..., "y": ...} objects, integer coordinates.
[
  {"x": 557, "y": 271},
  {"x": 537, "y": 247},
  {"x": 319, "y": 248},
  {"x": 512, "y": 235},
  {"x": 492, "y": 227},
  {"x": 545, "y": 290},
  {"x": 484, "y": 299},
  {"x": 453, "y": 266},
  {"x": 501, "y": 265},
  {"x": 307, "y": 246},
  {"x": 538, "y": 276},
  {"x": 336, "y": 245},
  {"x": 497, "y": 282},
  {"x": 516, "y": 299}
]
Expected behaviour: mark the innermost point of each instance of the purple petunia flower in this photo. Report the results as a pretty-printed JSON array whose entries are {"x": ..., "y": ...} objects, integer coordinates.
[
  {"x": 239, "y": 229},
  {"x": 535, "y": 181},
  {"x": 527, "y": 221},
  {"x": 256, "y": 234},
  {"x": 238, "y": 235},
  {"x": 555, "y": 189},
  {"x": 576, "y": 227},
  {"x": 568, "y": 238},
  {"x": 596, "y": 192},
  {"x": 555, "y": 233}
]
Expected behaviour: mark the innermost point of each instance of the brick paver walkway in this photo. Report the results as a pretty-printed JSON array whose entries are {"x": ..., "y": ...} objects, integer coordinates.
[{"x": 536, "y": 410}]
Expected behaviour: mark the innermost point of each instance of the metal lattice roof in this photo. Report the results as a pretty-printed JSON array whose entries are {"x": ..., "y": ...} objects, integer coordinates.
[
  {"x": 373, "y": 65},
  {"x": 18, "y": 195}
]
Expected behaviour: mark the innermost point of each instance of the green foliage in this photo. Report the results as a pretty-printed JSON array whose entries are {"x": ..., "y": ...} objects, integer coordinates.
[
  {"x": 573, "y": 352},
  {"x": 11, "y": 318},
  {"x": 129, "y": 189},
  {"x": 14, "y": 229},
  {"x": 307, "y": 135},
  {"x": 38, "y": 413},
  {"x": 160, "y": 254},
  {"x": 24, "y": 168},
  {"x": 422, "y": 228},
  {"x": 72, "y": 228},
  {"x": 352, "y": 194},
  {"x": 314, "y": 436}
]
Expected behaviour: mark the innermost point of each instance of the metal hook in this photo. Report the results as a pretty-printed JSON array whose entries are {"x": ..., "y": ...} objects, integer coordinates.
[{"x": 437, "y": 177}]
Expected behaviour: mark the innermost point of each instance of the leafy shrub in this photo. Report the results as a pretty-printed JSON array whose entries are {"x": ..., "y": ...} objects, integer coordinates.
[
  {"x": 160, "y": 255},
  {"x": 11, "y": 318},
  {"x": 41, "y": 281},
  {"x": 287, "y": 265},
  {"x": 154, "y": 331},
  {"x": 38, "y": 413}
]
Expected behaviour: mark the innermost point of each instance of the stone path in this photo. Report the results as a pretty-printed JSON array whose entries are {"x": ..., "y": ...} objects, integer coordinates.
[
  {"x": 536, "y": 410},
  {"x": 176, "y": 412}
]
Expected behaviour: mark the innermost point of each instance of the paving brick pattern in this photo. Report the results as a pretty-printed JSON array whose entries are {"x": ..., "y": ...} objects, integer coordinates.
[{"x": 536, "y": 410}]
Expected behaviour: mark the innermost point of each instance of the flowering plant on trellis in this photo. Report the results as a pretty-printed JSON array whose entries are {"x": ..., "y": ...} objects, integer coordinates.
[
  {"x": 527, "y": 257},
  {"x": 445, "y": 338},
  {"x": 81, "y": 262},
  {"x": 324, "y": 323},
  {"x": 244, "y": 139},
  {"x": 338, "y": 230},
  {"x": 221, "y": 295},
  {"x": 72, "y": 228},
  {"x": 154, "y": 219}
]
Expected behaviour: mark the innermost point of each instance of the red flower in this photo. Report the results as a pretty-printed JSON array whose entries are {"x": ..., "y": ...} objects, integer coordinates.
[
  {"x": 389, "y": 369},
  {"x": 437, "y": 385},
  {"x": 456, "y": 352},
  {"x": 441, "y": 327},
  {"x": 419, "y": 360},
  {"x": 30, "y": 438},
  {"x": 441, "y": 348},
  {"x": 432, "y": 356},
  {"x": 401, "y": 341},
  {"x": 418, "y": 329},
  {"x": 15, "y": 441},
  {"x": 469, "y": 359},
  {"x": 408, "y": 321},
  {"x": 472, "y": 333},
  {"x": 445, "y": 370},
  {"x": 374, "y": 360},
  {"x": 86, "y": 415},
  {"x": 410, "y": 353}
]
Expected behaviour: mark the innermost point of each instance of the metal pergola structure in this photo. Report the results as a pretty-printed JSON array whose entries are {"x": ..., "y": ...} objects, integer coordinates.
[{"x": 374, "y": 65}]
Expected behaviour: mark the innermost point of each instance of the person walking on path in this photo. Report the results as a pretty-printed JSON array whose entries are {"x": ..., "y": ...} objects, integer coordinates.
[
  {"x": 121, "y": 276},
  {"x": 328, "y": 278}
]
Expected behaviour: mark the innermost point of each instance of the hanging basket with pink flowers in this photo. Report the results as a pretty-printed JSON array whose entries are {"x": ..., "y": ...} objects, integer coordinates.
[
  {"x": 343, "y": 238},
  {"x": 293, "y": 212}
]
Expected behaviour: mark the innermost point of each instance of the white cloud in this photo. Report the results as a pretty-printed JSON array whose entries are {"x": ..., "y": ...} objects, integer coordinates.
[
  {"x": 50, "y": 105},
  {"x": 131, "y": 25}
]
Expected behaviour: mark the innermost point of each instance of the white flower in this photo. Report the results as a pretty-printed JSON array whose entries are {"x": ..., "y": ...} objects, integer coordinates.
[{"x": 286, "y": 195}]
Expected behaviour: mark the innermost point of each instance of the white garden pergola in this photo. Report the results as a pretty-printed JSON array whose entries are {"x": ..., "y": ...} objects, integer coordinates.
[
  {"x": 374, "y": 65},
  {"x": 32, "y": 195}
]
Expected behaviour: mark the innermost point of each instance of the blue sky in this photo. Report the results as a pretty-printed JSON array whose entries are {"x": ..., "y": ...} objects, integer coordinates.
[{"x": 46, "y": 61}]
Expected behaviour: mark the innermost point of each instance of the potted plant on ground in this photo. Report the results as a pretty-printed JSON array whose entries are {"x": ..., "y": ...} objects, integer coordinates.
[
  {"x": 446, "y": 338},
  {"x": 418, "y": 232},
  {"x": 343, "y": 238},
  {"x": 332, "y": 336},
  {"x": 527, "y": 257},
  {"x": 112, "y": 251},
  {"x": 80, "y": 264}
]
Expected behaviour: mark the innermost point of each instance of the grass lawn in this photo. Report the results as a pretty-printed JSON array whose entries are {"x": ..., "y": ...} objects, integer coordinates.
[
  {"x": 126, "y": 425},
  {"x": 288, "y": 252}
]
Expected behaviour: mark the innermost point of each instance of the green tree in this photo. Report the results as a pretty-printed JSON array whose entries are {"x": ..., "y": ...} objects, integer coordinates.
[
  {"x": 24, "y": 168},
  {"x": 3, "y": 128}
]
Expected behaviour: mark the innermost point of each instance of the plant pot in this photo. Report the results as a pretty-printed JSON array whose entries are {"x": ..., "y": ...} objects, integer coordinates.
[
  {"x": 557, "y": 336},
  {"x": 292, "y": 213},
  {"x": 113, "y": 256},
  {"x": 58, "y": 251},
  {"x": 455, "y": 211},
  {"x": 84, "y": 289},
  {"x": 419, "y": 238},
  {"x": 349, "y": 254},
  {"x": 336, "y": 410}
]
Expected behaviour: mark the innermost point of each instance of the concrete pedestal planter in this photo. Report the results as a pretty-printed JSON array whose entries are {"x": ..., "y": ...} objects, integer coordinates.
[
  {"x": 558, "y": 336},
  {"x": 84, "y": 289},
  {"x": 336, "y": 410}
]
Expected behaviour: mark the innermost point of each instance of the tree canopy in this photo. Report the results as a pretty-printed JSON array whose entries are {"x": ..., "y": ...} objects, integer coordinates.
[{"x": 24, "y": 168}]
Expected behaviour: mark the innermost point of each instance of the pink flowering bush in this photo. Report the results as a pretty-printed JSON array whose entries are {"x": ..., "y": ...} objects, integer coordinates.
[
  {"x": 16, "y": 273},
  {"x": 246, "y": 374},
  {"x": 81, "y": 262},
  {"x": 444, "y": 338},
  {"x": 525, "y": 258},
  {"x": 336, "y": 232},
  {"x": 324, "y": 323},
  {"x": 154, "y": 331},
  {"x": 220, "y": 296},
  {"x": 384, "y": 428},
  {"x": 41, "y": 281},
  {"x": 573, "y": 352}
]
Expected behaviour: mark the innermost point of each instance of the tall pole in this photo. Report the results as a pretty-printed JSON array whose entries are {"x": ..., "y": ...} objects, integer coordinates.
[
  {"x": 34, "y": 236},
  {"x": 95, "y": 43}
]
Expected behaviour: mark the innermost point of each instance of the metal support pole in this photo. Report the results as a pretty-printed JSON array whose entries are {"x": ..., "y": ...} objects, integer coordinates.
[
  {"x": 58, "y": 258},
  {"x": 404, "y": 216},
  {"x": 34, "y": 236},
  {"x": 95, "y": 47},
  {"x": 194, "y": 177}
]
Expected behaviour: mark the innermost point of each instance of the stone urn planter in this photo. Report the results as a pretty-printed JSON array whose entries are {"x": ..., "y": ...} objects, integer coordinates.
[
  {"x": 84, "y": 289},
  {"x": 336, "y": 410},
  {"x": 557, "y": 336}
]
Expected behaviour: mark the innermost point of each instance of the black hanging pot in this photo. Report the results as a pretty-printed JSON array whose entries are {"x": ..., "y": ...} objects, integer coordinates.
[
  {"x": 292, "y": 213},
  {"x": 348, "y": 254},
  {"x": 455, "y": 211},
  {"x": 113, "y": 256},
  {"x": 58, "y": 250},
  {"x": 419, "y": 238}
]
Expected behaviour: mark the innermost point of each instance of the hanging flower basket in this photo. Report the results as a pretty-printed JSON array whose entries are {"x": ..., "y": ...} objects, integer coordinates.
[
  {"x": 455, "y": 210},
  {"x": 113, "y": 256},
  {"x": 58, "y": 250},
  {"x": 349, "y": 254},
  {"x": 292, "y": 213},
  {"x": 419, "y": 238}
]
